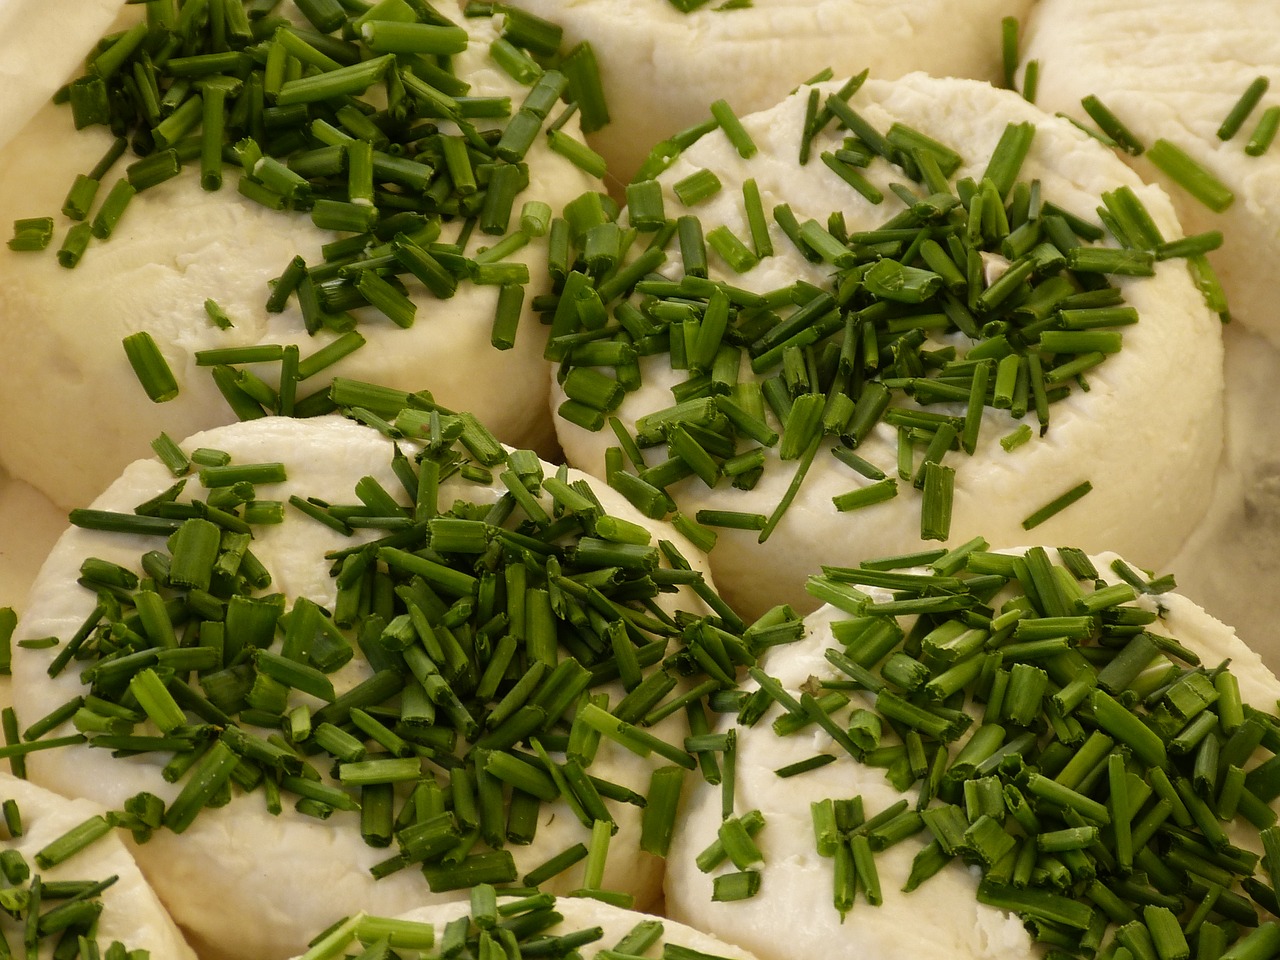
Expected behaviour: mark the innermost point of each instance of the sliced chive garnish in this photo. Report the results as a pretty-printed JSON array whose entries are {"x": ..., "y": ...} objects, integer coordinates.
[
  {"x": 1057, "y": 505},
  {"x": 150, "y": 367},
  {"x": 1191, "y": 175},
  {"x": 1111, "y": 125}
]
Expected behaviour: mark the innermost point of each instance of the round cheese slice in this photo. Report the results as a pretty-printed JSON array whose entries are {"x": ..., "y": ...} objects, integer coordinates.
[
  {"x": 285, "y": 876},
  {"x": 131, "y": 912},
  {"x": 609, "y": 925},
  {"x": 663, "y": 63},
  {"x": 1161, "y": 395},
  {"x": 177, "y": 246},
  {"x": 794, "y": 913},
  {"x": 1157, "y": 68}
]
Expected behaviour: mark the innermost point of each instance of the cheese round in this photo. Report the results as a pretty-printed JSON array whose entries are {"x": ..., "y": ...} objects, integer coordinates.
[
  {"x": 662, "y": 68},
  {"x": 131, "y": 912},
  {"x": 286, "y": 876},
  {"x": 178, "y": 245},
  {"x": 1161, "y": 394},
  {"x": 584, "y": 914},
  {"x": 793, "y": 914},
  {"x": 1165, "y": 76}
]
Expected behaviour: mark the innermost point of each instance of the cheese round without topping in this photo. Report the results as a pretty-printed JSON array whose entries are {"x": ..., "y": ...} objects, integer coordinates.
[
  {"x": 1174, "y": 71},
  {"x": 131, "y": 913},
  {"x": 614, "y": 923},
  {"x": 793, "y": 916},
  {"x": 662, "y": 68},
  {"x": 285, "y": 877},
  {"x": 1147, "y": 434},
  {"x": 178, "y": 245}
]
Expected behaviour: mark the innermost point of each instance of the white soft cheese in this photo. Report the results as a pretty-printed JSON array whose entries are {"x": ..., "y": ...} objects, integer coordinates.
[
  {"x": 792, "y": 916},
  {"x": 662, "y": 68},
  {"x": 131, "y": 912},
  {"x": 1147, "y": 435},
  {"x": 286, "y": 877},
  {"x": 614, "y": 923},
  {"x": 178, "y": 245},
  {"x": 40, "y": 43},
  {"x": 1174, "y": 70}
]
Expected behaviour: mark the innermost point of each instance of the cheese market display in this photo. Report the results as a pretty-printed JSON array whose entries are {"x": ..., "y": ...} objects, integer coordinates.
[{"x": 663, "y": 480}]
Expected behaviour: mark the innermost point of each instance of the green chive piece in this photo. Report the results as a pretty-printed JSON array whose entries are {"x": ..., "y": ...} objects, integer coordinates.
[
  {"x": 1191, "y": 175},
  {"x": 1057, "y": 505},
  {"x": 1111, "y": 125},
  {"x": 150, "y": 367},
  {"x": 1264, "y": 133}
]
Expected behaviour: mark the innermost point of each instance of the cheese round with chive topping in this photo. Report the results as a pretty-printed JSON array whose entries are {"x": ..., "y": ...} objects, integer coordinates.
[
  {"x": 1146, "y": 434},
  {"x": 662, "y": 67},
  {"x": 614, "y": 923},
  {"x": 284, "y": 877},
  {"x": 793, "y": 914},
  {"x": 1178, "y": 82},
  {"x": 131, "y": 912},
  {"x": 177, "y": 246}
]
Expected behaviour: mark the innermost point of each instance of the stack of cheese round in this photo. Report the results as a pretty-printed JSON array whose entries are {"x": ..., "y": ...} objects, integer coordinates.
[
  {"x": 663, "y": 62},
  {"x": 178, "y": 245},
  {"x": 1160, "y": 395},
  {"x": 286, "y": 876},
  {"x": 793, "y": 913}
]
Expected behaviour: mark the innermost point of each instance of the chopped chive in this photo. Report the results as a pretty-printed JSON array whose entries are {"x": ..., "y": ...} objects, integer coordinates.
[
  {"x": 1264, "y": 133},
  {"x": 935, "y": 514},
  {"x": 696, "y": 187},
  {"x": 150, "y": 366},
  {"x": 1235, "y": 119},
  {"x": 1057, "y": 505},
  {"x": 72, "y": 842},
  {"x": 1191, "y": 175},
  {"x": 1111, "y": 125}
]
